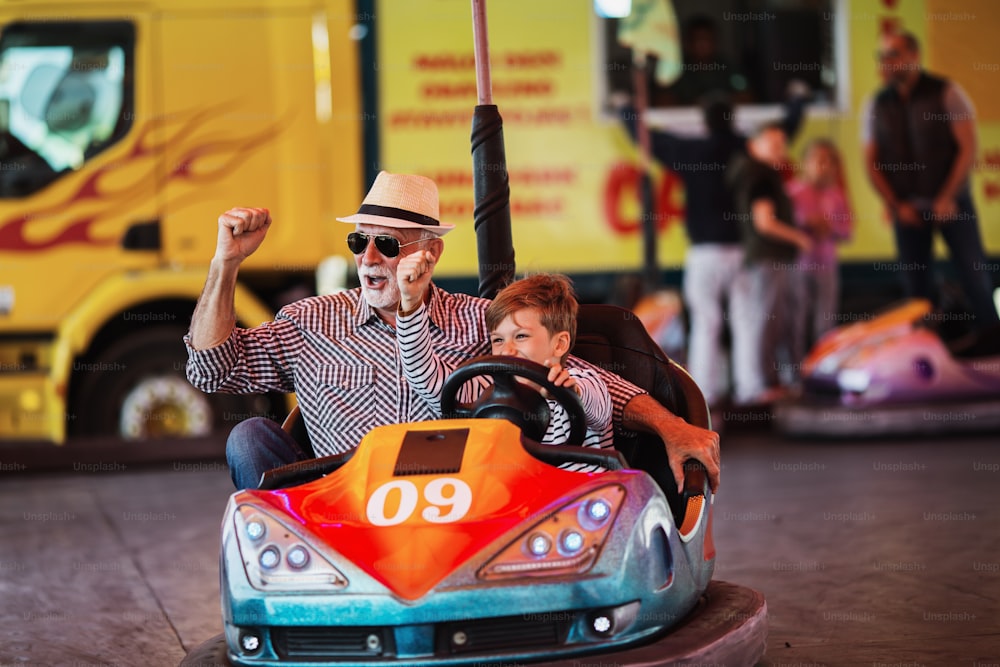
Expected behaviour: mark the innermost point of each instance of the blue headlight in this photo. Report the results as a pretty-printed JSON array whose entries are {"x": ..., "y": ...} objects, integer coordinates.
[
  {"x": 255, "y": 529},
  {"x": 297, "y": 557},
  {"x": 571, "y": 541},
  {"x": 270, "y": 557},
  {"x": 598, "y": 510},
  {"x": 601, "y": 623},
  {"x": 250, "y": 641},
  {"x": 539, "y": 544}
]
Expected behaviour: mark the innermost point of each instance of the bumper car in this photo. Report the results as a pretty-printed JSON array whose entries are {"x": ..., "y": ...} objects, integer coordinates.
[
  {"x": 462, "y": 541},
  {"x": 901, "y": 372}
]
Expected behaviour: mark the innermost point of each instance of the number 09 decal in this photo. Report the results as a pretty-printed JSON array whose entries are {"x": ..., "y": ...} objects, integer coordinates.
[{"x": 447, "y": 500}]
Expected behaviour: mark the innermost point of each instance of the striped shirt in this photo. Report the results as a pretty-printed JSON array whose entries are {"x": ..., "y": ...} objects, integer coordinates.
[
  {"x": 427, "y": 371},
  {"x": 341, "y": 360}
]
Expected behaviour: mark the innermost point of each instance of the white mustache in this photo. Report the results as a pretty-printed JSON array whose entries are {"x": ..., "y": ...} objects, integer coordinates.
[{"x": 376, "y": 272}]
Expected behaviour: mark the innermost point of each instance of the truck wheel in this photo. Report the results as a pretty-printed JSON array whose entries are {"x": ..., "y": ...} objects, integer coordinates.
[{"x": 136, "y": 389}]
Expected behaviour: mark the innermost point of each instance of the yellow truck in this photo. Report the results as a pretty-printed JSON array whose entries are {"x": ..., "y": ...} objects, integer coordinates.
[{"x": 127, "y": 127}]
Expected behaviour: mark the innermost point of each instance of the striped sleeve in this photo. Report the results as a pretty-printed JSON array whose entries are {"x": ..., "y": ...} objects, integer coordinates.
[
  {"x": 423, "y": 369},
  {"x": 597, "y": 408},
  {"x": 595, "y": 398},
  {"x": 250, "y": 361},
  {"x": 621, "y": 390}
]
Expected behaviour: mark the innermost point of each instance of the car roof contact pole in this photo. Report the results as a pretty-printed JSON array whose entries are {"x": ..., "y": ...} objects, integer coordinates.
[
  {"x": 650, "y": 265},
  {"x": 481, "y": 48}
]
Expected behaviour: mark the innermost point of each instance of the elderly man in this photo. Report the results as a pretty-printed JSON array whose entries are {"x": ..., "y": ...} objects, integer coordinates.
[
  {"x": 919, "y": 136},
  {"x": 338, "y": 352}
]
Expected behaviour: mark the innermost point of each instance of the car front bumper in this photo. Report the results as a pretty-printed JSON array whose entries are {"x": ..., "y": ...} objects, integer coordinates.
[{"x": 646, "y": 579}]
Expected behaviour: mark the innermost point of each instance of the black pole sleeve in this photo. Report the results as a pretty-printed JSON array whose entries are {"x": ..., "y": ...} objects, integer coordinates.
[{"x": 494, "y": 243}]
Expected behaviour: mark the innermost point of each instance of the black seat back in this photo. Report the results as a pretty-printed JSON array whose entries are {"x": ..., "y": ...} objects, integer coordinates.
[{"x": 614, "y": 339}]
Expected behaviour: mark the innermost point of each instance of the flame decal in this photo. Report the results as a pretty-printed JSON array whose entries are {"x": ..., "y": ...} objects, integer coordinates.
[{"x": 182, "y": 149}]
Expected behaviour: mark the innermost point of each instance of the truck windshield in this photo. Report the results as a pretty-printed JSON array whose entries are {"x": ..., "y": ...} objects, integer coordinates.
[{"x": 65, "y": 96}]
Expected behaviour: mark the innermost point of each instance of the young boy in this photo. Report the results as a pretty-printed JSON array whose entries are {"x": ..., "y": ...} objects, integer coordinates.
[{"x": 533, "y": 318}]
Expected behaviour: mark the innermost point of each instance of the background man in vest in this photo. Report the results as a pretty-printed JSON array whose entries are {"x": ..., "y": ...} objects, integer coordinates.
[{"x": 920, "y": 143}]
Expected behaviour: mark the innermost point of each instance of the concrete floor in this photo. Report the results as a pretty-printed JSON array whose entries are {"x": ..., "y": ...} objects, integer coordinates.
[{"x": 869, "y": 553}]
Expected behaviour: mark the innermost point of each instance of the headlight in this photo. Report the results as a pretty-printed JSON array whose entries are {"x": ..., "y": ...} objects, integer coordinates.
[
  {"x": 275, "y": 558},
  {"x": 854, "y": 380},
  {"x": 828, "y": 364},
  {"x": 298, "y": 557},
  {"x": 577, "y": 530},
  {"x": 598, "y": 510},
  {"x": 571, "y": 541},
  {"x": 269, "y": 558},
  {"x": 539, "y": 544},
  {"x": 255, "y": 529}
]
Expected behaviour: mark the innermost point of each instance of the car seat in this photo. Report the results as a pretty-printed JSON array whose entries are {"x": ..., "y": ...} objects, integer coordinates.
[{"x": 615, "y": 339}]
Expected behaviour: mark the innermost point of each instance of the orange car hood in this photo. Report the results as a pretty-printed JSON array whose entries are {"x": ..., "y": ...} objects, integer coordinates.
[{"x": 425, "y": 534}]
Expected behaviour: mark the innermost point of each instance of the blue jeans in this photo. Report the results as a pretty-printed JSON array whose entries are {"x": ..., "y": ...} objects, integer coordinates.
[
  {"x": 257, "y": 445},
  {"x": 965, "y": 248}
]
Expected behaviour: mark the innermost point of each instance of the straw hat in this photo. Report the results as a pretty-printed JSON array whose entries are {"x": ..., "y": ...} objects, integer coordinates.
[{"x": 401, "y": 200}]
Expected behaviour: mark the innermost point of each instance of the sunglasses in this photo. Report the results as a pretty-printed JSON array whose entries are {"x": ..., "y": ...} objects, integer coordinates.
[{"x": 387, "y": 245}]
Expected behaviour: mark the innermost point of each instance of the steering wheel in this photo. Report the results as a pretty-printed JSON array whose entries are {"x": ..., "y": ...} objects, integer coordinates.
[{"x": 512, "y": 400}]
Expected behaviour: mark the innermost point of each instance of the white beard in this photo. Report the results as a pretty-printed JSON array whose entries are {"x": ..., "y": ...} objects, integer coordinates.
[{"x": 386, "y": 298}]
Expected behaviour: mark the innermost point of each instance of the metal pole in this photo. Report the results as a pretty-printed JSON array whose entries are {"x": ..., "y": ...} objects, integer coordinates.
[
  {"x": 481, "y": 47},
  {"x": 650, "y": 265}
]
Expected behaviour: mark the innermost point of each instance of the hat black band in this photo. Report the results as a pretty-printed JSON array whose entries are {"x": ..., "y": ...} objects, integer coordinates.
[{"x": 402, "y": 213}]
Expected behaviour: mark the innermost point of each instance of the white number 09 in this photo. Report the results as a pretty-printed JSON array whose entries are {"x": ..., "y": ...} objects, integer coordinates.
[{"x": 442, "y": 493}]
